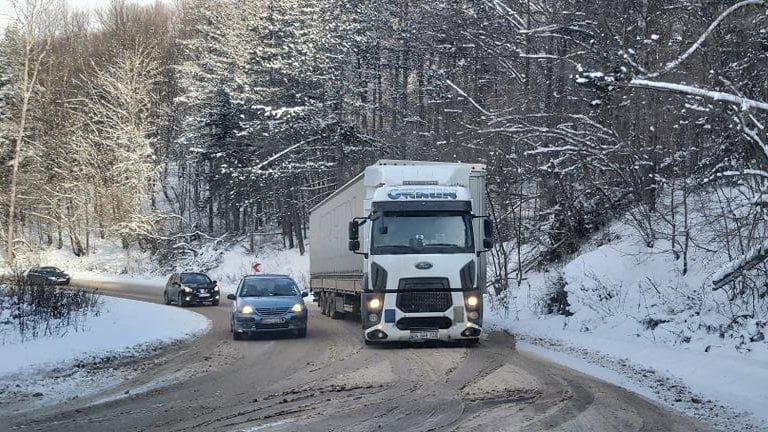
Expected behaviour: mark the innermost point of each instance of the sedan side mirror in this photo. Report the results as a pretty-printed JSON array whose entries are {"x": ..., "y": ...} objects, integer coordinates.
[
  {"x": 304, "y": 294},
  {"x": 231, "y": 296}
]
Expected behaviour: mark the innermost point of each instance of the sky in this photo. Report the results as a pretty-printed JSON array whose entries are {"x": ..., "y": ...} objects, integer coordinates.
[
  {"x": 7, "y": 14},
  {"x": 706, "y": 378}
]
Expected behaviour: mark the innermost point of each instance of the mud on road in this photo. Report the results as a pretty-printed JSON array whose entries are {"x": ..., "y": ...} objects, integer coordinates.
[{"x": 331, "y": 381}]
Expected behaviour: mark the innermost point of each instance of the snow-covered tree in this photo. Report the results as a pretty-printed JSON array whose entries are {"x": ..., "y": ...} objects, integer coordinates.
[
  {"x": 36, "y": 20},
  {"x": 116, "y": 146}
]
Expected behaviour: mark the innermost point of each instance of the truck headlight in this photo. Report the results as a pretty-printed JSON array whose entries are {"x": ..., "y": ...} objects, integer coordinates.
[
  {"x": 472, "y": 301},
  {"x": 298, "y": 307},
  {"x": 246, "y": 309},
  {"x": 374, "y": 304}
]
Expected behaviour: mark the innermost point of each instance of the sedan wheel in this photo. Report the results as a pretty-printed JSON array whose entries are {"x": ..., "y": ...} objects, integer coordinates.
[{"x": 180, "y": 300}]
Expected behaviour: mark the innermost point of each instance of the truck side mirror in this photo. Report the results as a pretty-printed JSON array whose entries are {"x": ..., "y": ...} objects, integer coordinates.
[
  {"x": 487, "y": 243},
  {"x": 354, "y": 233},
  {"x": 354, "y": 245},
  {"x": 487, "y": 229}
]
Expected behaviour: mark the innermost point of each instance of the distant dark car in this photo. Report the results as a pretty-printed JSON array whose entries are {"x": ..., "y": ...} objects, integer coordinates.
[
  {"x": 188, "y": 288},
  {"x": 268, "y": 303},
  {"x": 47, "y": 276}
]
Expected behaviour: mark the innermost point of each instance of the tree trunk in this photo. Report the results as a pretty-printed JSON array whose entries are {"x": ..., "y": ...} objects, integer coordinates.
[
  {"x": 74, "y": 240},
  {"x": 298, "y": 231}
]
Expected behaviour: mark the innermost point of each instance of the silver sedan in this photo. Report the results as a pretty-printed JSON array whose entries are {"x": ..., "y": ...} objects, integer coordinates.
[{"x": 268, "y": 303}]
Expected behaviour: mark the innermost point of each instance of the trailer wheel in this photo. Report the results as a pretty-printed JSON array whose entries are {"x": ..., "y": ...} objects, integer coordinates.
[
  {"x": 324, "y": 304},
  {"x": 334, "y": 313}
]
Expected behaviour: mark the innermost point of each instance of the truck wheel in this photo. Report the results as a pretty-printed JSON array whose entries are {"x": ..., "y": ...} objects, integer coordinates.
[
  {"x": 471, "y": 342},
  {"x": 328, "y": 305},
  {"x": 324, "y": 304},
  {"x": 334, "y": 313}
]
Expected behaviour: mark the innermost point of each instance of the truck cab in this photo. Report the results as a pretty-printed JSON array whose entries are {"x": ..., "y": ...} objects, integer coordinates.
[{"x": 422, "y": 236}]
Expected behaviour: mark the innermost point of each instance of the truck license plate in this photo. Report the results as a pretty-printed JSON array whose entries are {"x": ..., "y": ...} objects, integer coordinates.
[
  {"x": 423, "y": 335},
  {"x": 272, "y": 321}
]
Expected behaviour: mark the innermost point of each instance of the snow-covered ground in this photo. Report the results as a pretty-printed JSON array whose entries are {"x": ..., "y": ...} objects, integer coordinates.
[{"x": 614, "y": 289}]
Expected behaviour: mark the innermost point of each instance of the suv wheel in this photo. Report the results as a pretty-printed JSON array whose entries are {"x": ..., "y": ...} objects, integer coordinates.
[
  {"x": 166, "y": 300},
  {"x": 180, "y": 300}
]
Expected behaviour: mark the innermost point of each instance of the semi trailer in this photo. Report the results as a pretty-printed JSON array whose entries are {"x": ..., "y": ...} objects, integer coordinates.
[{"x": 402, "y": 245}]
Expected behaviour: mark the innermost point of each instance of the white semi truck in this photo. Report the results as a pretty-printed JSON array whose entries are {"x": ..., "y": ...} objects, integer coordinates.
[{"x": 402, "y": 245}]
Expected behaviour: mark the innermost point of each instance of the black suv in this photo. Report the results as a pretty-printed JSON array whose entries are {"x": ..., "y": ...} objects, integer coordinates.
[
  {"x": 47, "y": 276},
  {"x": 190, "y": 288}
]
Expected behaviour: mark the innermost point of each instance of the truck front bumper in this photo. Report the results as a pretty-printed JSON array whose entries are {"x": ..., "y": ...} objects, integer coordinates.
[{"x": 390, "y": 333}]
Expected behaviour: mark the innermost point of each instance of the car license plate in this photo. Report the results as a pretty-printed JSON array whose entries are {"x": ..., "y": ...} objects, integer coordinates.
[
  {"x": 272, "y": 321},
  {"x": 423, "y": 335},
  {"x": 203, "y": 294}
]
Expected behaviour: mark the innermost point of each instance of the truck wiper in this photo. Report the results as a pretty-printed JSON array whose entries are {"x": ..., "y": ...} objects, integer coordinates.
[{"x": 399, "y": 248}]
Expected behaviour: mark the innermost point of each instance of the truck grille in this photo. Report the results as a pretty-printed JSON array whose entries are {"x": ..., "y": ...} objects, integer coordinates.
[
  {"x": 423, "y": 284},
  {"x": 420, "y": 301},
  {"x": 424, "y": 323},
  {"x": 271, "y": 311}
]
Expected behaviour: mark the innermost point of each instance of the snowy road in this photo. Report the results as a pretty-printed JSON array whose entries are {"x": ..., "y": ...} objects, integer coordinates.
[{"x": 331, "y": 381}]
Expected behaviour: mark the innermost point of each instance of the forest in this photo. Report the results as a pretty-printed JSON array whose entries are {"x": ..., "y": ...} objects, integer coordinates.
[{"x": 153, "y": 123}]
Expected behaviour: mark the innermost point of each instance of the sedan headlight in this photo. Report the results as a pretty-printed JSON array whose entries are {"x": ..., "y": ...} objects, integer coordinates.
[
  {"x": 186, "y": 289},
  {"x": 246, "y": 309},
  {"x": 298, "y": 307}
]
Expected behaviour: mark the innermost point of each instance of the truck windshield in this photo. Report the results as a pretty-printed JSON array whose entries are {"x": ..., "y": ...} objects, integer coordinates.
[{"x": 421, "y": 233}]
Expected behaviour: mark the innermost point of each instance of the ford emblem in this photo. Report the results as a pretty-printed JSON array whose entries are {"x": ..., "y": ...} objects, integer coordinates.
[{"x": 423, "y": 265}]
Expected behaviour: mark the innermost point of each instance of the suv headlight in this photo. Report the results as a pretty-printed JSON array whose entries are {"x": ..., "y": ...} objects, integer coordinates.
[
  {"x": 186, "y": 289},
  {"x": 247, "y": 309},
  {"x": 298, "y": 307}
]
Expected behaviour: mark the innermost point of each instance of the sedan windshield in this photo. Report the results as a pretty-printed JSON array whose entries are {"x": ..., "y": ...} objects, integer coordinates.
[
  {"x": 256, "y": 287},
  {"x": 194, "y": 278},
  {"x": 50, "y": 269},
  {"x": 422, "y": 233}
]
